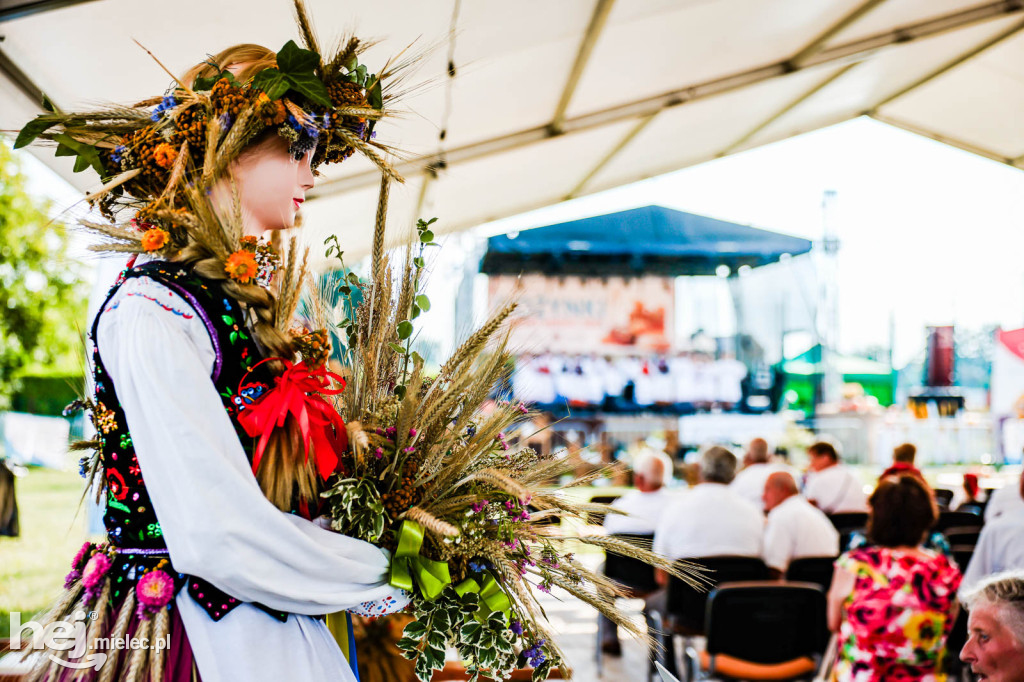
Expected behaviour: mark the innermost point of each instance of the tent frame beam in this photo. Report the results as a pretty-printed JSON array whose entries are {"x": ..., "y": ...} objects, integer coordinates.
[
  {"x": 594, "y": 29},
  {"x": 948, "y": 66},
  {"x": 945, "y": 139},
  {"x": 816, "y": 45},
  {"x": 856, "y": 50},
  {"x": 957, "y": 61},
  {"x": 27, "y": 9}
]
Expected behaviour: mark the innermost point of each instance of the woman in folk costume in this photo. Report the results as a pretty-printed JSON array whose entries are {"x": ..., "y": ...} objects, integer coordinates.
[{"x": 213, "y": 438}]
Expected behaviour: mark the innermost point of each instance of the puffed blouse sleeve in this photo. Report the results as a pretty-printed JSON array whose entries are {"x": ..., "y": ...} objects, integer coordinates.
[{"x": 214, "y": 517}]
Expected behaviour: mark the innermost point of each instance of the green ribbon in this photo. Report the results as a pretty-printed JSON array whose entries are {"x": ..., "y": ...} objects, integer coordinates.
[
  {"x": 408, "y": 566},
  {"x": 490, "y": 593}
]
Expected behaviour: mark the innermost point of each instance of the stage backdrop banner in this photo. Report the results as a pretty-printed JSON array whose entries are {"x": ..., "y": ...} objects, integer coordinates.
[
  {"x": 1008, "y": 374},
  {"x": 589, "y": 315}
]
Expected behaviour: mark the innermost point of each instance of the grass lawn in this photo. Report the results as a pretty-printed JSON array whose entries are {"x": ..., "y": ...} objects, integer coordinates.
[{"x": 33, "y": 566}]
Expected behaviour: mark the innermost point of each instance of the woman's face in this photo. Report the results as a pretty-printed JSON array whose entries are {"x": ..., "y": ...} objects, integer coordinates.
[
  {"x": 992, "y": 649},
  {"x": 272, "y": 184}
]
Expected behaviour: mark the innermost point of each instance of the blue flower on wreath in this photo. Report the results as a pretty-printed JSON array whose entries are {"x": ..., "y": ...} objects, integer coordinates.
[
  {"x": 168, "y": 102},
  {"x": 118, "y": 153}
]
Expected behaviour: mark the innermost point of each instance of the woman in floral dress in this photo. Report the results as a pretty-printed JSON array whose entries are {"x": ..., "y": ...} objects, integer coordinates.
[{"x": 893, "y": 602}]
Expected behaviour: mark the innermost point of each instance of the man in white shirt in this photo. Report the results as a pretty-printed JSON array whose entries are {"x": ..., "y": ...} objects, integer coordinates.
[
  {"x": 1000, "y": 546},
  {"x": 757, "y": 466},
  {"x": 831, "y": 486},
  {"x": 795, "y": 528},
  {"x": 644, "y": 507},
  {"x": 1005, "y": 500},
  {"x": 645, "y": 504},
  {"x": 710, "y": 519}
]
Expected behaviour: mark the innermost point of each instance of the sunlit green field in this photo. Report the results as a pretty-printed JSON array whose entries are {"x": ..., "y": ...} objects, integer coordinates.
[{"x": 33, "y": 566}]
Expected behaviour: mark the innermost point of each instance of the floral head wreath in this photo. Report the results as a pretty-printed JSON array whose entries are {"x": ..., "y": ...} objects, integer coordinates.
[{"x": 159, "y": 155}]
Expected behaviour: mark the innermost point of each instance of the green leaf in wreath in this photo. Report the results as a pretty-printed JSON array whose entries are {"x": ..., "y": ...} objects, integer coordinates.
[
  {"x": 375, "y": 96},
  {"x": 426, "y": 236},
  {"x": 34, "y": 129},
  {"x": 397, "y": 348},
  {"x": 87, "y": 154},
  {"x": 272, "y": 82},
  {"x": 404, "y": 329},
  {"x": 312, "y": 88},
  {"x": 48, "y": 105},
  {"x": 292, "y": 59},
  {"x": 423, "y": 302}
]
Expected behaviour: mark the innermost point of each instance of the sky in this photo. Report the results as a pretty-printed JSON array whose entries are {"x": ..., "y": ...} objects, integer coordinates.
[{"x": 929, "y": 234}]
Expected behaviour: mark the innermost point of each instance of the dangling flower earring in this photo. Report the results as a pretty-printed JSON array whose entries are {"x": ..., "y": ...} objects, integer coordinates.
[{"x": 255, "y": 262}]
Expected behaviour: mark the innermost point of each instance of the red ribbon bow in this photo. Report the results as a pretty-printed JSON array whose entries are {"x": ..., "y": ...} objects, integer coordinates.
[{"x": 299, "y": 392}]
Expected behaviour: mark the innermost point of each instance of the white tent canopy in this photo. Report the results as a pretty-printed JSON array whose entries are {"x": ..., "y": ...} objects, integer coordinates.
[{"x": 554, "y": 99}]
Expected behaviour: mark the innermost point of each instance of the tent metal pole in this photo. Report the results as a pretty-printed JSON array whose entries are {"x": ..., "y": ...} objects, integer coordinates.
[
  {"x": 619, "y": 146},
  {"x": 952, "y": 142},
  {"x": 25, "y": 9},
  {"x": 855, "y": 50},
  {"x": 20, "y": 79},
  {"x": 597, "y": 22},
  {"x": 949, "y": 66},
  {"x": 743, "y": 139},
  {"x": 816, "y": 45}
]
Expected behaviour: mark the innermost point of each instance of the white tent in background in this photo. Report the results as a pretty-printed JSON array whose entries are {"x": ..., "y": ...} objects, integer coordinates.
[{"x": 554, "y": 100}]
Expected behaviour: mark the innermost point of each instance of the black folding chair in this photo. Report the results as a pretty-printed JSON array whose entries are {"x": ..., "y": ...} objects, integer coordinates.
[
  {"x": 962, "y": 535},
  {"x": 685, "y": 604},
  {"x": 955, "y": 643},
  {"x": 943, "y": 496},
  {"x": 815, "y": 569},
  {"x": 845, "y": 522},
  {"x": 633, "y": 574},
  {"x": 950, "y": 519},
  {"x": 597, "y": 518},
  {"x": 962, "y": 555},
  {"x": 763, "y": 631}
]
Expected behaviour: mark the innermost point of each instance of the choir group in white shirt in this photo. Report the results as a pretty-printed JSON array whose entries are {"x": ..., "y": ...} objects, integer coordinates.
[{"x": 682, "y": 379}]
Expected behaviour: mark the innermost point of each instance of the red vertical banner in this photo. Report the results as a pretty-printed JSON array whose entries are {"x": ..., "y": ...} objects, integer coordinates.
[{"x": 940, "y": 367}]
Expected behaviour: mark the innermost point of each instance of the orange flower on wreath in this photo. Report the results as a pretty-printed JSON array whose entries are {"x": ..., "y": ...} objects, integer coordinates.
[
  {"x": 164, "y": 155},
  {"x": 241, "y": 266},
  {"x": 154, "y": 239},
  {"x": 273, "y": 112}
]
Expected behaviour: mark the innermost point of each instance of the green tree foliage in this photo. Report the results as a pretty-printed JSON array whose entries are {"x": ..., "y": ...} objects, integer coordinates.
[{"x": 42, "y": 293}]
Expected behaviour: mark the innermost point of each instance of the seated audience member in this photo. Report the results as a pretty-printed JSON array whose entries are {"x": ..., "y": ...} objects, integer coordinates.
[
  {"x": 795, "y": 528},
  {"x": 1007, "y": 499},
  {"x": 710, "y": 519},
  {"x": 757, "y": 465},
  {"x": 645, "y": 504},
  {"x": 970, "y": 499},
  {"x": 935, "y": 540},
  {"x": 995, "y": 628},
  {"x": 832, "y": 487},
  {"x": 893, "y": 603},
  {"x": 903, "y": 462},
  {"x": 1000, "y": 548}
]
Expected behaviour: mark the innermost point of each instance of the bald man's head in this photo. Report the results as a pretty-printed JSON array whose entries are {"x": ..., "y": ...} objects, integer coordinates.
[
  {"x": 779, "y": 487},
  {"x": 757, "y": 452}
]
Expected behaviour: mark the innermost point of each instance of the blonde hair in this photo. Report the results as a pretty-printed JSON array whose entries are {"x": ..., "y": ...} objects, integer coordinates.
[{"x": 248, "y": 58}]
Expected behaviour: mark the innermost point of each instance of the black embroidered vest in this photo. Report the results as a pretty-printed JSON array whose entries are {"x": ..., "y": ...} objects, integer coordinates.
[{"x": 130, "y": 520}]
